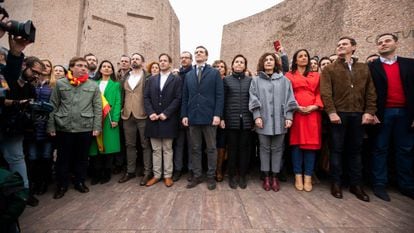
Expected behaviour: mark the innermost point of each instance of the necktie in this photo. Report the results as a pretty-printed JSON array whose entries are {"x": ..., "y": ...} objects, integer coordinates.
[{"x": 200, "y": 69}]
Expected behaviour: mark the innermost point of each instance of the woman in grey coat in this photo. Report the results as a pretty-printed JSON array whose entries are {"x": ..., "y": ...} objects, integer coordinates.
[{"x": 272, "y": 103}]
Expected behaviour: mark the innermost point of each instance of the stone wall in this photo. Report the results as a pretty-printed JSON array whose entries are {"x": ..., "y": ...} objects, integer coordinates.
[
  {"x": 108, "y": 29},
  {"x": 316, "y": 25}
]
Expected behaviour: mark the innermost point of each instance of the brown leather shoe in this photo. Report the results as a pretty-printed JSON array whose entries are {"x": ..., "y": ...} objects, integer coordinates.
[
  {"x": 126, "y": 177},
  {"x": 359, "y": 193},
  {"x": 152, "y": 181},
  {"x": 168, "y": 182},
  {"x": 336, "y": 190}
]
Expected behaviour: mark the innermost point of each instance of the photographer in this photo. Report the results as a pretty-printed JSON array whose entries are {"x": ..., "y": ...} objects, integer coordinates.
[{"x": 19, "y": 73}]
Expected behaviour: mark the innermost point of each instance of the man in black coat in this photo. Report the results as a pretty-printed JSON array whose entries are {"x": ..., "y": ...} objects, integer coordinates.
[
  {"x": 162, "y": 101},
  {"x": 393, "y": 78},
  {"x": 183, "y": 137}
]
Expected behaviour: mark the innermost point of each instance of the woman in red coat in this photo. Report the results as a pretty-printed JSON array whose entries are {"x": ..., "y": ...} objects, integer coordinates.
[{"x": 305, "y": 134}]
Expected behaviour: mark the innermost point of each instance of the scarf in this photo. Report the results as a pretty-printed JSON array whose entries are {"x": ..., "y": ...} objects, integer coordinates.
[{"x": 76, "y": 81}]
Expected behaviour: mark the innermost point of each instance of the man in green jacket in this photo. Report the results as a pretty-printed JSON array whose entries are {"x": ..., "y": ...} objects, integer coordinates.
[{"x": 75, "y": 120}]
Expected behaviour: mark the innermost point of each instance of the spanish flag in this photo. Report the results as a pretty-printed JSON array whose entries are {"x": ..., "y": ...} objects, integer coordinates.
[{"x": 105, "y": 111}]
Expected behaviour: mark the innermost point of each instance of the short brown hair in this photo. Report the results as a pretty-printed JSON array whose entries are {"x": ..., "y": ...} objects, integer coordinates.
[
  {"x": 395, "y": 37},
  {"x": 216, "y": 62},
  {"x": 76, "y": 59},
  {"x": 245, "y": 62},
  {"x": 352, "y": 40}
]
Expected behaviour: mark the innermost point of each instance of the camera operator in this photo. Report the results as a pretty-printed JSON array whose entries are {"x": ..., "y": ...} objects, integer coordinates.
[{"x": 19, "y": 74}]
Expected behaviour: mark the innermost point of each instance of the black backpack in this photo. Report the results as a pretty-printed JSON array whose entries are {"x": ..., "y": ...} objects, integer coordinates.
[{"x": 13, "y": 196}]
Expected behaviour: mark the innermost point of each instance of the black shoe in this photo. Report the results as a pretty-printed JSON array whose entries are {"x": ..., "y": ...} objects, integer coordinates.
[
  {"x": 190, "y": 176},
  {"x": 95, "y": 180},
  {"x": 126, "y": 177},
  {"x": 243, "y": 182},
  {"x": 106, "y": 177},
  {"x": 145, "y": 179},
  {"x": 82, "y": 188},
  {"x": 176, "y": 176},
  {"x": 211, "y": 183},
  {"x": 408, "y": 193},
  {"x": 381, "y": 193},
  {"x": 60, "y": 192},
  {"x": 194, "y": 182},
  {"x": 32, "y": 201},
  {"x": 336, "y": 190},
  {"x": 359, "y": 192},
  {"x": 232, "y": 182}
]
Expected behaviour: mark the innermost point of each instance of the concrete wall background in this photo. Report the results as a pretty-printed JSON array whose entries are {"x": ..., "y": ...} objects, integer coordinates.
[
  {"x": 317, "y": 25},
  {"x": 108, "y": 29}
]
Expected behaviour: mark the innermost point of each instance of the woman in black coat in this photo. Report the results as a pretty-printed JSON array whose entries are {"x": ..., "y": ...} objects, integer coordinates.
[{"x": 237, "y": 121}]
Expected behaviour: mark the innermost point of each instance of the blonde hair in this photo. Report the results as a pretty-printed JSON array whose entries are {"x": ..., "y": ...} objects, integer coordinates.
[{"x": 52, "y": 79}]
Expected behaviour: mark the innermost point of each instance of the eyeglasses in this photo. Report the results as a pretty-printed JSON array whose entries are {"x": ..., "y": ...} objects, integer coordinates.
[{"x": 185, "y": 58}]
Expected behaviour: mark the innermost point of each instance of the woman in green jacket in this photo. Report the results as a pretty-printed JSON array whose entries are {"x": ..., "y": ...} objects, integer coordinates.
[{"x": 108, "y": 143}]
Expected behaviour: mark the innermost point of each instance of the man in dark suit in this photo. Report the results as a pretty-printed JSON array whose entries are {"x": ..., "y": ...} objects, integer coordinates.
[
  {"x": 162, "y": 101},
  {"x": 183, "y": 138},
  {"x": 393, "y": 77},
  {"x": 202, "y": 108}
]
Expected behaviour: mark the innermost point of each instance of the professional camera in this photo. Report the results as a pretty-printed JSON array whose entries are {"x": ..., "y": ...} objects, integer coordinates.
[{"x": 26, "y": 30}]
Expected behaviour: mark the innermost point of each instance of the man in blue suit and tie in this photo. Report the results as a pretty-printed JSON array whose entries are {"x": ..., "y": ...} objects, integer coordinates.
[{"x": 201, "y": 110}]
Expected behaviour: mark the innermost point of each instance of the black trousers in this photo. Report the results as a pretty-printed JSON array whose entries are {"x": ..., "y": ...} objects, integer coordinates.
[
  {"x": 346, "y": 144},
  {"x": 238, "y": 151},
  {"x": 73, "y": 148}
]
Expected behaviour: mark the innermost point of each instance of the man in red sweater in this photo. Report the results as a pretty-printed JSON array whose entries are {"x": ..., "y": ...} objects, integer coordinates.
[{"x": 393, "y": 78}]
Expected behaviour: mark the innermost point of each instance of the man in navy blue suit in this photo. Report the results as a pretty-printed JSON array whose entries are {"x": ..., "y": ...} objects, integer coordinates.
[
  {"x": 393, "y": 77},
  {"x": 201, "y": 110}
]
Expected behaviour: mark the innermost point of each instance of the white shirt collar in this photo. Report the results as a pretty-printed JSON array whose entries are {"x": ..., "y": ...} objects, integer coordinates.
[{"x": 389, "y": 61}]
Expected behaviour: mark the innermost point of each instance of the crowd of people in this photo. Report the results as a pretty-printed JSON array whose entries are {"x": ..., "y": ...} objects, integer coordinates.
[{"x": 158, "y": 122}]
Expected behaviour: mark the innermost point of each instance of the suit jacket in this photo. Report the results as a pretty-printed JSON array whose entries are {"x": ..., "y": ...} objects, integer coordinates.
[
  {"x": 167, "y": 101},
  {"x": 380, "y": 81},
  {"x": 133, "y": 99},
  {"x": 202, "y": 101}
]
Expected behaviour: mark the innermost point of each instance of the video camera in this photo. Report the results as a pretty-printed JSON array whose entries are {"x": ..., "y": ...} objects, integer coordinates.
[{"x": 26, "y": 30}]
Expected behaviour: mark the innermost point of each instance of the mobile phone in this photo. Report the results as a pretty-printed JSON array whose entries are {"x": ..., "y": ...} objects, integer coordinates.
[{"x": 276, "y": 44}]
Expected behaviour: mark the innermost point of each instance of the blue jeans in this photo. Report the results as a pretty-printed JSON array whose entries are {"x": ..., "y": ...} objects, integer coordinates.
[
  {"x": 396, "y": 127},
  {"x": 346, "y": 144},
  {"x": 39, "y": 150},
  {"x": 305, "y": 157},
  {"x": 12, "y": 149}
]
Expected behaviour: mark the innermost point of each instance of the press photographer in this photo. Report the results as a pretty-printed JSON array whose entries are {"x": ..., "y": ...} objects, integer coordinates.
[{"x": 19, "y": 73}]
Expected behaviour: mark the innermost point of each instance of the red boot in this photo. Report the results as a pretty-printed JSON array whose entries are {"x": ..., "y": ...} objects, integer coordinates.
[
  {"x": 266, "y": 183},
  {"x": 275, "y": 184}
]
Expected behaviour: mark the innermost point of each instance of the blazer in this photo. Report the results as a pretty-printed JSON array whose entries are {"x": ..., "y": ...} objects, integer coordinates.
[
  {"x": 133, "y": 99},
  {"x": 167, "y": 101},
  {"x": 202, "y": 101},
  {"x": 380, "y": 81}
]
